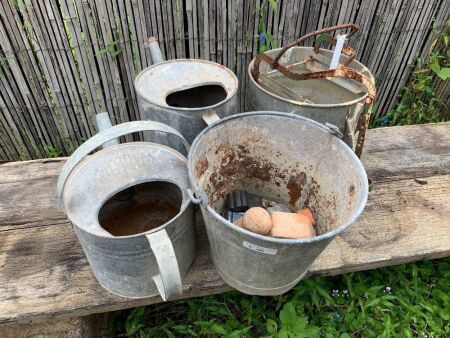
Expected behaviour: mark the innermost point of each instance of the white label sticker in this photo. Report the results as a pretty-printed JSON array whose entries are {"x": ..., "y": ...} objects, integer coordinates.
[{"x": 254, "y": 247}]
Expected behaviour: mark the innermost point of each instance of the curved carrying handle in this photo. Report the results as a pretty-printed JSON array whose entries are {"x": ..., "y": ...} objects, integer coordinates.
[
  {"x": 354, "y": 29},
  {"x": 107, "y": 135},
  {"x": 168, "y": 281},
  {"x": 340, "y": 71}
]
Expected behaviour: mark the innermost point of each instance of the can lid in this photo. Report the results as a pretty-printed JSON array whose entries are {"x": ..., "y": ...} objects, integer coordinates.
[{"x": 156, "y": 82}]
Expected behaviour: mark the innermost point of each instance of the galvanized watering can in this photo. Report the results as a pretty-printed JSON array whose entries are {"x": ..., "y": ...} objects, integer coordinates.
[
  {"x": 129, "y": 207},
  {"x": 183, "y": 93},
  {"x": 312, "y": 82},
  {"x": 284, "y": 158}
]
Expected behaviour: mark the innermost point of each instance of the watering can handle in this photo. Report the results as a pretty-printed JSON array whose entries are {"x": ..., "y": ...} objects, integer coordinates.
[
  {"x": 107, "y": 135},
  {"x": 168, "y": 281}
]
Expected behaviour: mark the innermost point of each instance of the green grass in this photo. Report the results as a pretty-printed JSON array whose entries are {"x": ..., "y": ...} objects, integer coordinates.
[{"x": 403, "y": 301}]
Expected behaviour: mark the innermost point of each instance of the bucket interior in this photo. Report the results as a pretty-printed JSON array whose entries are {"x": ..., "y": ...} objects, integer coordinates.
[
  {"x": 140, "y": 208},
  {"x": 334, "y": 90},
  {"x": 289, "y": 160},
  {"x": 197, "y": 97}
]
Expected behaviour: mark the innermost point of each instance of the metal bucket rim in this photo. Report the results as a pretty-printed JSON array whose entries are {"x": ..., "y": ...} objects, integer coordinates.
[
  {"x": 328, "y": 235},
  {"x": 183, "y": 207},
  {"x": 199, "y": 109},
  {"x": 316, "y": 105}
]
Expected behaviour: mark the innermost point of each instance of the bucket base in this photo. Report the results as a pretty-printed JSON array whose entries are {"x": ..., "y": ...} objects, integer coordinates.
[{"x": 254, "y": 291}]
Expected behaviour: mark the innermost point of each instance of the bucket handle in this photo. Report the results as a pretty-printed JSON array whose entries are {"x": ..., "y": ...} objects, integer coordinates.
[
  {"x": 168, "y": 281},
  {"x": 104, "y": 136},
  {"x": 342, "y": 70}
]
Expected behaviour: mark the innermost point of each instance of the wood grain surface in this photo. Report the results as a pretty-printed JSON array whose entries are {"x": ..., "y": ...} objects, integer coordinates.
[{"x": 44, "y": 273}]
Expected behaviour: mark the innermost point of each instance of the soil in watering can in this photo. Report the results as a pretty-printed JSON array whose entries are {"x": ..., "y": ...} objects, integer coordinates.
[{"x": 140, "y": 208}]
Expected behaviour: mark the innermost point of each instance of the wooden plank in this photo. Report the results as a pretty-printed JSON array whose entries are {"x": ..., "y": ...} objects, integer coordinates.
[
  {"x": 48, "y": 24},
  {"x": 222, "y": 32},
  {"x": 168, "y": 29},
  {"x": 128, "y": 67},
  {"x": 212, "y": 31},
  {"x": 20, "y": 44},
  {"x": 91, "y": 47},
  {"x": 190, "y": 23},
  {"x": 14, "y": 82},
  {"x": 178, "y": 18},
  {"x": 195, "y": 24},
  {"x": 205, "y": 36},
  {"x": 43, "y": 271},
  {"x": 73, "y": 82},
  {"x": 85, "y": 79}
]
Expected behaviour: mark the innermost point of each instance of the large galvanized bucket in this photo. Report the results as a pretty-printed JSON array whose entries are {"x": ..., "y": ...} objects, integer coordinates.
[
  {"x": 183, "y": 93},
  {"x": 284, "y": 158},
  {"x": 303, "y": 81},
  {"x": 115, "y": 197}
]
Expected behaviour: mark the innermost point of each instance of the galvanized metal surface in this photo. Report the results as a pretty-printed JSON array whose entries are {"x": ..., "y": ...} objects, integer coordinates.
[
  {"x": 155, "y": 83},
  {"x": 103, "y": 123},
  {"x": 298, "y": 80},
  {"x": 144, "y": 264},
  {"x": 284, "y": 158}
]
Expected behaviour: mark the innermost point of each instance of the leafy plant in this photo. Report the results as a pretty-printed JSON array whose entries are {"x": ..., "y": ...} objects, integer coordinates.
[
  {"x": 110, "y": 48},
  {"x": 52, "y": 152},
  {"x": 418, "y": 101},
  {"x": 404, "y": 301},
  {"x": 266, "y": 40}
]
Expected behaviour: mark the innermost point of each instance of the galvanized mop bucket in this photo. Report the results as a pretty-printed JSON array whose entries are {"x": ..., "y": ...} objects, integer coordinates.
[
  {"x": 284, "y": 158},
  {"x": 303, "y": 81},
  {"x": 102, "y": 195},
  {"x": 183, "y": 93}
]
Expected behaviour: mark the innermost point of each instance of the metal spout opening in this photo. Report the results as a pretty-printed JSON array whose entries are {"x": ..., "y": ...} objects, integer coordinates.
[
  {"x": 140, "y": 208},
  {"x": 197, "y": 97}
]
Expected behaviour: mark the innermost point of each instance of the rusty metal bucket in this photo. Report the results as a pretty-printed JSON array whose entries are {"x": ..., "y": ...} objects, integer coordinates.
[
  {"x": 129, "y": 207},
  {"x": 284, "y": 158},
  {"x": 303, "y": 81},
  {"x": 183, "y": 93}
]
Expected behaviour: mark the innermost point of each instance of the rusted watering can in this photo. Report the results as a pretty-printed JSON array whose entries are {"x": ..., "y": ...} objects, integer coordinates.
[
  {"x": 129, "y": 207},
  {"x": 183, "y": 94},
  {"x": 283, "y": 158},
  {"x": 316, "y": 83}
]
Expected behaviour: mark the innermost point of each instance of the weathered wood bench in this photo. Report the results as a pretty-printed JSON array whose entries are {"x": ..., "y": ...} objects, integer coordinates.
[{"x": 45, "y": 278}]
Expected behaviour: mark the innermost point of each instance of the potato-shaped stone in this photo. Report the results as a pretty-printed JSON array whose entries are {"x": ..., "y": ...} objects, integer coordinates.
[{"x": 257, "y": 220}]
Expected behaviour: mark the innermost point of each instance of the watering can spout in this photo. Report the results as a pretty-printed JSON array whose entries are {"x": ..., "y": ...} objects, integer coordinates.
[
  {"x": 103, "y": 123},
  {"x": 155, "y": 51}
]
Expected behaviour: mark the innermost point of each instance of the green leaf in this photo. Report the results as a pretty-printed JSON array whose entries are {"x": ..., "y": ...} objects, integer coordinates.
[
  {"x": 288, "y": 314},
  {"x": 282, "y": 334},
  {"x": 322, "y": 38},
  {"x": 168, "y": 333},
  {"x": 435, "y": 67},
  {"x": 444, "y": 73},
  {"x": 445, "y": 314},
  {"x": 216, "y": 328},
  {"x": 373, "y": 302},
  {"x": 271, "y": 326},
  {"x": 134, "y": 321},
  {"x": 273, "y": 4},
  {"x": 299, "y": 326}
]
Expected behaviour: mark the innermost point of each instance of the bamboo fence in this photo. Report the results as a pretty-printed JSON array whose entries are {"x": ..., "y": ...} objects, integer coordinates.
[{"x": 63, "y": 61}]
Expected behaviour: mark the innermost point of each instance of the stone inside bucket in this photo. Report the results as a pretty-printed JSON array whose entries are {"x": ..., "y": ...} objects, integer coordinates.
[
  {"x": 140, "y": 208},
  {"x": 282, "y": 158}
]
